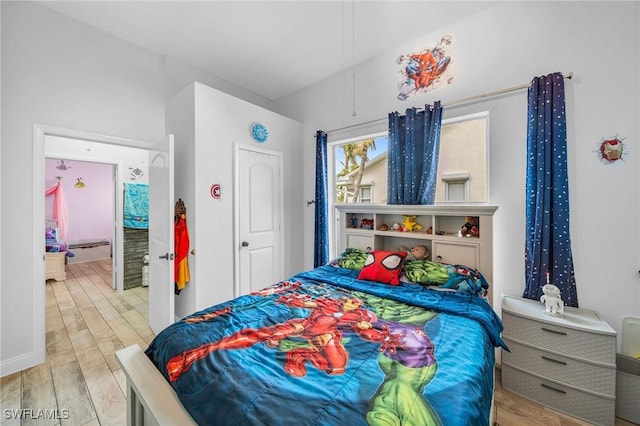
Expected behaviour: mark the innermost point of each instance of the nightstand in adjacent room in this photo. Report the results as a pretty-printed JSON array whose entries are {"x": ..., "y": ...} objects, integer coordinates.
[{"x": 565, "y": 363}]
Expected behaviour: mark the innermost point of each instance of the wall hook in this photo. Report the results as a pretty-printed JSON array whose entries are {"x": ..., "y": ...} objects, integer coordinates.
[{"x": 310, "y": 202}]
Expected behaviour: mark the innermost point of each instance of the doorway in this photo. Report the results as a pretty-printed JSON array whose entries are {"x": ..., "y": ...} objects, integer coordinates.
[
  {"x": 129, "y": 164},
  {"x": 106, "y": 148},
  {"x": 88, "y": 189}
]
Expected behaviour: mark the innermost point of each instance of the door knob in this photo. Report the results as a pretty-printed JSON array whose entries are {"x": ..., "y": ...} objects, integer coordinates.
[{"x": 245, "y": 244}]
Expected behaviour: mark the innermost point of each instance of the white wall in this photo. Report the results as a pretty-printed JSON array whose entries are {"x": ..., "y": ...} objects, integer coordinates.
[
  {"x": 62, "y": 73},
  {"x": 504, "y": 46},
  {"x": 208, "y": 124},
  {"x": 58, "y": 72},
  {"x": 89, "y": 209}
]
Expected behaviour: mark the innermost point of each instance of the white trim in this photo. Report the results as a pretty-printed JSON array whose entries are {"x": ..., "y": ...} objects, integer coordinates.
[
  {"x": 38, "y": 355},
  {"x": 461, "y": 209},
  {"x": 237, "y": 147},
  {"x": 453, "y": 178},
  {"x": 331, "y": 174},
  {"x": 47, "y": 130}
]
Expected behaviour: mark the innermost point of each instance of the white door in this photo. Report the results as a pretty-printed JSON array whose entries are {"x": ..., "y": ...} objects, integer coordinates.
[
  {"x": 259, "y": 216},
  {"x": 161, "y": 246}
]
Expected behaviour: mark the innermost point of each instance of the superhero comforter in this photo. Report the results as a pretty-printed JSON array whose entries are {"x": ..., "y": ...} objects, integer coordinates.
[{"x": 325, "y": 348}]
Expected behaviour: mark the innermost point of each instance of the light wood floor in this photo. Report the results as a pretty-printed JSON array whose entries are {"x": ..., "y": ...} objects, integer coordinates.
[
  {"x": 87, "y": 321},
  {"x": 511, "y": 409}
]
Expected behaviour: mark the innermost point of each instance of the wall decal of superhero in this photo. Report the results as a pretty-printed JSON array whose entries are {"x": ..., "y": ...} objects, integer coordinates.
[
  {"x": 611, "y": 150},
  {"x": 425, "y": 69}
]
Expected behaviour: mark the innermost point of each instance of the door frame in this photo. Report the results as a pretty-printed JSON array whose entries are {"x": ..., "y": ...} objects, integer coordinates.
[
  {"x": 236, "y": 209},
  {"x": 40, "y": 131}
]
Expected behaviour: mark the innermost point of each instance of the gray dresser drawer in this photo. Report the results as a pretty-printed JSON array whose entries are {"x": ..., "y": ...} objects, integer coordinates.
[
  {"x": 591, "y": 377},
  {"x": 589, "y": 346},
  {"x": 590, "y": 408}
]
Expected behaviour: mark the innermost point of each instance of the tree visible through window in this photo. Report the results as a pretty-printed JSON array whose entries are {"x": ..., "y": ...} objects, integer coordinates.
[{"x": 361, "y": 165}]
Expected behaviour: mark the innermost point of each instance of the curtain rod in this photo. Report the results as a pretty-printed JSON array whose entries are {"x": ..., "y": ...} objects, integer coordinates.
[{"x": 568, "y": 76}]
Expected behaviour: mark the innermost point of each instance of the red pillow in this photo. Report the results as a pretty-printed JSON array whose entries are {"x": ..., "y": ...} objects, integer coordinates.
[{"x": 383, "y": 267}]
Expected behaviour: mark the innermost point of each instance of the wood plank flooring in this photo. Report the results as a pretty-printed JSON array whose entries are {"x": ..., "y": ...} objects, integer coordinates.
[
  {"x": 511, "y": 409},
  {"x": 81, "y": 383}
]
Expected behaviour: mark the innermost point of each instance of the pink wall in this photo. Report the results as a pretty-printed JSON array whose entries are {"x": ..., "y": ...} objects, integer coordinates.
[{"x": 90, "y": 211}]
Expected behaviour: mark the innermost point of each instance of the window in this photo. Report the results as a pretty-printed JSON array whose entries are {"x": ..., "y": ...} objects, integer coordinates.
[
  {"x": 462, "y": 167},
  {"x": 456, "y": 186},
  {"x": 365, "y": 194},
  {"x": 360, "y": 164}
]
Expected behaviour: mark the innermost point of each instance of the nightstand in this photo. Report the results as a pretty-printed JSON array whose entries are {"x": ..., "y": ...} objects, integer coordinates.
[{"x": 565, "y": 363}]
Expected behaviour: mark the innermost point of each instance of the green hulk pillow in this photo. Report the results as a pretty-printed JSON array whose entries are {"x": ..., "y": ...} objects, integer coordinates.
[{"x": 351, "y": 258}]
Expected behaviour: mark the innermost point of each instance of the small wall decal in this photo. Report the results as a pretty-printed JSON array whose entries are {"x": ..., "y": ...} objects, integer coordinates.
[
  {"x": 136, "y": 173},
  {"x": 216, "y": 191},
  {"x": 259, "y": 132},
  {"x": 425, "y": 70},
  {"x": 611, "y": 150}
]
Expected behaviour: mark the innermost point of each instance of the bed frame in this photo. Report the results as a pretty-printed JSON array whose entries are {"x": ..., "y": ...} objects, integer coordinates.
[
  {"x": 150, "y": 398},
  {"x": 89, "y": 250}
]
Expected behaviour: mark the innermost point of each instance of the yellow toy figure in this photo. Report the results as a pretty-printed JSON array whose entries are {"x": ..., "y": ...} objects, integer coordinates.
[{"x": 410, "y": 224}]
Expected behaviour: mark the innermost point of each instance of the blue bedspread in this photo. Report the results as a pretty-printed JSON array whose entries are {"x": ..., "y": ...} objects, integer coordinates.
[{"x": 324, "y": 348}]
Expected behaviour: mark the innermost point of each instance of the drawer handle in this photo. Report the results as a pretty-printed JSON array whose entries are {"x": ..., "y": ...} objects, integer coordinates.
[
  {"x": 554, "y": 331},
  {"x": 552, "y": 388},
  {"x": 557, "y": 361}
]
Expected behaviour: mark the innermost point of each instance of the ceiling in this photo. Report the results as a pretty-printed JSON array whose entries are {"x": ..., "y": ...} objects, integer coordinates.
[{"x": 272, "y": 48}]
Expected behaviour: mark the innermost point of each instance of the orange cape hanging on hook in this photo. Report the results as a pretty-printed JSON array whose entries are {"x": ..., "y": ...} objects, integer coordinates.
[{"x": 181, "y": 264}]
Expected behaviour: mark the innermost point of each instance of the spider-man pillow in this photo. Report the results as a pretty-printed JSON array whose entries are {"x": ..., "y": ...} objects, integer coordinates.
[{"x": 383, "y": 266}]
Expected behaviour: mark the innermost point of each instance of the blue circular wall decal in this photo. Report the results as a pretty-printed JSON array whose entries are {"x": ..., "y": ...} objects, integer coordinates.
[{"x": 259, "y": 132}]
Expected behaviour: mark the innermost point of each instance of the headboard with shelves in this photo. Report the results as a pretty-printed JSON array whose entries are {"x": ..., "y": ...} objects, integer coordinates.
[{"x": 440, "y": 232}]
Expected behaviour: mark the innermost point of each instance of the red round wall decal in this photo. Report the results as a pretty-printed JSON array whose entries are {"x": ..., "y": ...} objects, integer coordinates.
[{"x": 216, "y": 191}]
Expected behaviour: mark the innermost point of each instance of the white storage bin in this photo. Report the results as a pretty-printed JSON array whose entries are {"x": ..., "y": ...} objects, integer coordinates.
[
  {"x": 631, "y": 337},
  {"x": 628, "y": 388}
]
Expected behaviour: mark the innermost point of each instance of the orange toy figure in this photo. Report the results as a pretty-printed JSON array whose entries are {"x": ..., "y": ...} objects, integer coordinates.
[
  {"x": 321, "y": 329},
  {"x": 471, "y": 227}
]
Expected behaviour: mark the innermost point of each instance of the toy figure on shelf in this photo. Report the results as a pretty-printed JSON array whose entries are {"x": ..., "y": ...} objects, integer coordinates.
[
  {"x": 367, "y": 224},
  {"x": 418, "y": 252},
  {"x": 471, "y": 227},
  {"x": 383, "y": 227},
  {"x": 354, "y": 221},
  {"x": 410, "y": 224},
  {"x": 430, "y": 230}
]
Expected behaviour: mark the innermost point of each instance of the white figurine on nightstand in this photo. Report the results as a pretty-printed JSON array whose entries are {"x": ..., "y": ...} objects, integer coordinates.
[{"x": 551, "y": 299}]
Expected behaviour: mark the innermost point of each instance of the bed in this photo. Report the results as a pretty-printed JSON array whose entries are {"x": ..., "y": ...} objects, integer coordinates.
[
  {"x": 330, "y": 346},
  {"x": 55, "y": 252},
  {"x": 90, "y": 249}
]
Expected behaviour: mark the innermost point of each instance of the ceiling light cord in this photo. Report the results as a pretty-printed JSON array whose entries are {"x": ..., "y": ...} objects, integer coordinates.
[{"x": 353, "y": 56}]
